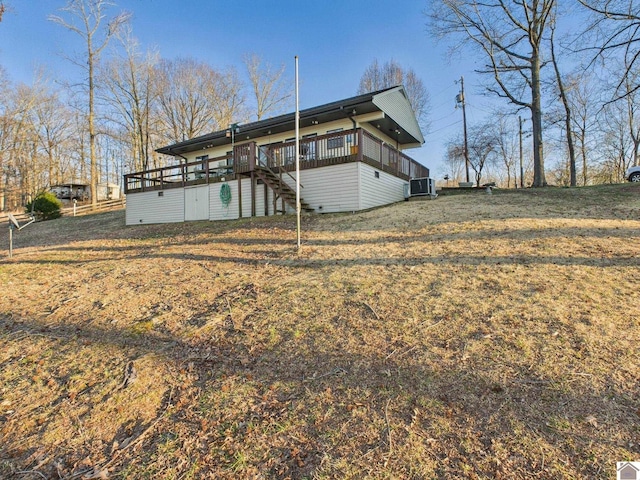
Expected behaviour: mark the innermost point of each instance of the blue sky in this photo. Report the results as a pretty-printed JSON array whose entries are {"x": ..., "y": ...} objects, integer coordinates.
[{"x": 334, "y": 40}]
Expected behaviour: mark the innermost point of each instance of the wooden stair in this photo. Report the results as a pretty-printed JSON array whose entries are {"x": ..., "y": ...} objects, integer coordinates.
[{"x": 280, "y": 188}]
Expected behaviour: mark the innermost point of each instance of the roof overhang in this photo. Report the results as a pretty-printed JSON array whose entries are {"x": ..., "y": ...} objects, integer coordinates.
[{"x": 388, "y": 111}]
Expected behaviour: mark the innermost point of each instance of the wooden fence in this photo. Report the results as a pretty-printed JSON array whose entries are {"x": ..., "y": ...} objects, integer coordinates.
[
  {"x": 74, "y": 211},
  {"x": 105, "y": 206}
]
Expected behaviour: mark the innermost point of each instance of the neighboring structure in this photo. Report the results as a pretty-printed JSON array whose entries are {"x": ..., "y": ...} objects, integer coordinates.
[
  {"x": 72, "y": 191},
  {"x": 108, "y": 191},
  {"x": 351, "y": 159},
  {"x": 82, "y": 191}
]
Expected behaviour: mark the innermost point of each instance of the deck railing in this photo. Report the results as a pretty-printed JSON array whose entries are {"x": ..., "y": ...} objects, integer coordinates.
[
  {"x": 346, "y": 146},
  {"x": 381, "y": 155},
  {"x": 207, "y": 170},
  {"x": 315, "y": 151}
]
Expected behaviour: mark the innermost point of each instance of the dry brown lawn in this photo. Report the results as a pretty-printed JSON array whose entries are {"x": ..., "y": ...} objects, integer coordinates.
[{"x": 475, "y": 336}]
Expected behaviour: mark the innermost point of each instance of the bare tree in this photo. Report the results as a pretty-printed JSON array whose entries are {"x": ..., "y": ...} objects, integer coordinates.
[
  {"x": 511, "y": 36},
  {"x": 616, "y": 145},
  {"x": 631, "y": 98},
  {"x": 24, "y": 161},
  {"x": 562, "y": 93},
  {"x": 130, "y": 92},
  {"x": 583, "y": 95},
  {"x": 85, "y": 18},
  {"x": 228, "y": 99},
  {"x": 455, "y": 159},
  {"x": 52, "y": 124},
  {"x": 19, "y": 162},
  {"x": 377, "y": 77},
  {"x": 194, "y": 99},
  {"x": 5, "y": 125},
  {"x": 270, "y": 88},
  {"x": 616, "y": 28},
  {"x": 76, "y": 166},
  {"x": 506, "y": 146},
  {"x": 483, "y": 142}
]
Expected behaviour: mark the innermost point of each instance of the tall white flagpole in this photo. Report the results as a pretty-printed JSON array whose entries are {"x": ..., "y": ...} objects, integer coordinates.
[{"x": 297, "y": 157}]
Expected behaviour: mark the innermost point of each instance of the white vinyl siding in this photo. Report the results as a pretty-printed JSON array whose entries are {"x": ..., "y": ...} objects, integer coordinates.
[
  {"x": 394, "y": 104},
  {"x": 260, "y": 209},
  {"x": 272, "y": 210},
  {"x": 259, "y": 200},
  {"x": 217, "y": 211},
  {"x": 382, "y": 190},
  {"x": 246, "y": 197},
  {"x": 150, "y": 207},
  {"x": 334, "y": 188}
]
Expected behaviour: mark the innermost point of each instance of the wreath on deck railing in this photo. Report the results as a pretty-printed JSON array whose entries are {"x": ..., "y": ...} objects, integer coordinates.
[{"x": 225, "y": 195}]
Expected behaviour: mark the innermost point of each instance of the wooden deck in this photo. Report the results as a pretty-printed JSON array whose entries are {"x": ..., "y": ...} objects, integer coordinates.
[{"x": 318, "y": 151}]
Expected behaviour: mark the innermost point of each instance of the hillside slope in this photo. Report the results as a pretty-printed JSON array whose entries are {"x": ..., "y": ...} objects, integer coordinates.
[{"x": 473, "y": 336}]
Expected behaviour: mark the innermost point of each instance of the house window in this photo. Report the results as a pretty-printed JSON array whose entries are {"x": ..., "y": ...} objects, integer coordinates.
[
  {"x": 202, "y": 168},
  {"x": 263, "y": 158},
  {"x": 308, "y": 146},
  {"x": 290, "y": 151},
  {"x": 337, "y": 141},
  {"x": 203, "y": 160}
]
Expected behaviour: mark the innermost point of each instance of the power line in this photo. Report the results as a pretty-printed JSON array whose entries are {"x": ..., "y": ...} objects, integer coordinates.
[
  {"x": 445, "y": 89},
  {"x": 457, "y": 122},
  {"x": 444, "y": 102},
  {"x": 444, "y": 118}
]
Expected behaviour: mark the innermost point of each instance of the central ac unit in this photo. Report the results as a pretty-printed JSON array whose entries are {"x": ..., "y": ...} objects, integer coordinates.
[{"x": 422, "y": 186}]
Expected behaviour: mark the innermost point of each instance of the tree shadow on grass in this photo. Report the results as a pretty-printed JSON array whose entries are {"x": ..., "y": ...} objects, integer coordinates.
[
  {"x": 326, "y": 401},
  {"x": 111, "y": 225},
  {"x": 263, "y": 258}
]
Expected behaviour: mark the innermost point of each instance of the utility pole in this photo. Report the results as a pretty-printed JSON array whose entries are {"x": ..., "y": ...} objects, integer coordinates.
[
  {"x": 521, "y": 169},
  {"x": 460, "y": 100}
]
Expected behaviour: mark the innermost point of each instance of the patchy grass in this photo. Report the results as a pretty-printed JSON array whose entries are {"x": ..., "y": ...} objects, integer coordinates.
[{"x": 474, "y": 336}]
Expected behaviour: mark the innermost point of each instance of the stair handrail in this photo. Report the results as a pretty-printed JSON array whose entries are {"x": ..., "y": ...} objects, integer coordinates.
[{"x": 266, "y": 166}]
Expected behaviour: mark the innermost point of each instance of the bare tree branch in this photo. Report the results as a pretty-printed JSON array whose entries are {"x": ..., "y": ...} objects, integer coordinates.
[
  {"x": 85, "y": 18},
  {"x": 270, "y": 88},
  {"x": 510, "y": 36},
  {"x": 390, "y": 74}
]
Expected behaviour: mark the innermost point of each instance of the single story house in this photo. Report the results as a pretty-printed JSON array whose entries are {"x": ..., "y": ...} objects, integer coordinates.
[{"x": 351, "y": 158}]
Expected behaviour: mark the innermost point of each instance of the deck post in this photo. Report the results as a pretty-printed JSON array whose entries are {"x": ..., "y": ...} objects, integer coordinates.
[
  {"x": 252, "y": 156},
  {"x": 266, "y": 200},
  {"x": 239, "y": 196},
  {"x": 253, "y": 193},
  {"x": 275, "y": 202},
  {"x": 360, "y": 145}
]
